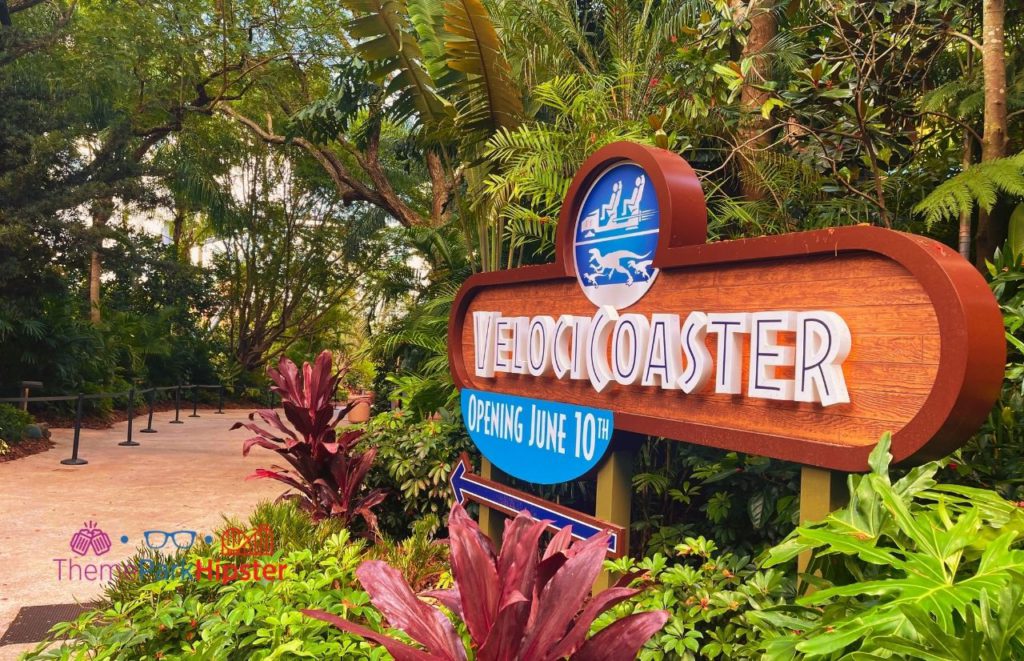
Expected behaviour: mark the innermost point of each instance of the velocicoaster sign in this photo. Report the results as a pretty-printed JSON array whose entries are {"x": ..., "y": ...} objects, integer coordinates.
[{"x": 805, "y": 347}]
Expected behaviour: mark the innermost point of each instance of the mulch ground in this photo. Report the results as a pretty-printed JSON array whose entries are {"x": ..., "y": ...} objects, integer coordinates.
[{"x": 26, "y": 448}]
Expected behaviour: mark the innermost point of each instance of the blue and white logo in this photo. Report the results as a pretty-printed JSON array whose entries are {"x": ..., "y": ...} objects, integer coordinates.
[{"x": 616, "y": 235}]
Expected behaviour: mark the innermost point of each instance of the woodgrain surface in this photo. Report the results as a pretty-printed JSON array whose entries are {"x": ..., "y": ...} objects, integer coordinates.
[{"x": 890, "y": 371}]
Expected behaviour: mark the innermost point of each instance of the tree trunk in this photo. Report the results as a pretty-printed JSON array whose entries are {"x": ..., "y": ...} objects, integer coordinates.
[
  {"x": 992, "y": 227},
  {"x": 176, "y": 229},
  {"x": 752, "y": 135},
  {"x": 102, "y": 210},
  {"x": 965, "y": 218}
]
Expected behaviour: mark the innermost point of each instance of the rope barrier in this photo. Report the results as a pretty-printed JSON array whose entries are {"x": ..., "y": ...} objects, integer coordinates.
[{"x": 131, "y": 395}]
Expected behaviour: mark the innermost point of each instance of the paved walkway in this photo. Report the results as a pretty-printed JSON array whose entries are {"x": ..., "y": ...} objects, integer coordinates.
[{"x": 185, "y": 477}]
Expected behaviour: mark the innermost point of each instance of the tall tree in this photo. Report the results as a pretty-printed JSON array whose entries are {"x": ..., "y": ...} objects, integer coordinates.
[
  {"x": 754, "y": 127},
  {"x": 992, "y": 225}
]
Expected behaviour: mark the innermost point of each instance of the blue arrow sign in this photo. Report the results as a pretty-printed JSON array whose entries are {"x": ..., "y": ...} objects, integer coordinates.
[{"x": 512, "y": 501}]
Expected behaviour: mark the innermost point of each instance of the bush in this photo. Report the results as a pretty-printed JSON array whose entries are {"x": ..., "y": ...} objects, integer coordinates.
[
  {"x": 414, "y": 462},
  {"x": 188, "y": 619},
  {"x": 910, "y": 568},
  {"x": 325, "y": 470},
  {"x": 744, "y": 502},
  {"x": 12, "y": 424},
  {"x": 707, "y": 595}
]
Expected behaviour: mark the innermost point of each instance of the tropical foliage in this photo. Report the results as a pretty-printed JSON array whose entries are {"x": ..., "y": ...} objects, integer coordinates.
[
  {"x": 326, "y": 470},
  {"x": 195, "y": 191},
  {"x": 515, "y": 603},
  {"x": 911, "y": 567},
  {"x": 175, "y": 618}
]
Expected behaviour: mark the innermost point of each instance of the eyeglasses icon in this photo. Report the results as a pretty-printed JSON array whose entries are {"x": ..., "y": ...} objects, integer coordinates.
[{"x": 157, "y": 539}]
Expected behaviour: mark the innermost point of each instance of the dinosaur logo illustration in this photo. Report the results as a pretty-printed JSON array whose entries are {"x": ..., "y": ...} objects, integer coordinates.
[
  {"x": 612, "y": 263},
  {"x": 616, "y": 236}
]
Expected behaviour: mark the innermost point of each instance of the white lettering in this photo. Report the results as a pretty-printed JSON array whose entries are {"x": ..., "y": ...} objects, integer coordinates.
[
  {"x": 822, "y": 344},
  {"x": 766, "y": 354},
  {"x": 629, "y": 346},
  {"x": 635, "y": 349},
  {"x": 597, "y": 351},
  {"x": 662, "y": 364},
  {"x": 730, "y": 327}
]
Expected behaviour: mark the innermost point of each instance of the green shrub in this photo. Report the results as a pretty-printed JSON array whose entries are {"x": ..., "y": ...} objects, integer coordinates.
[
  {"x": 909, "y": 569},
  {"x": 414, "y": 461},
  {"x": 707, "y": 594},
  {"x": 187, "y": 619},
  {"x": 744, "y": 502},
  {"x": 12, "y": 424}
]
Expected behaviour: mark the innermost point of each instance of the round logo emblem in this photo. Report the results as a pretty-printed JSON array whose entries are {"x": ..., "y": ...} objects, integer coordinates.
[{"x": 616, "y": 235}]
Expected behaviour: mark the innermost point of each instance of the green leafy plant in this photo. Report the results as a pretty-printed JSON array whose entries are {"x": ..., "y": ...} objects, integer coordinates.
[
  {"x": 326, "y": 470},
  {"x": 415, "y": 461},
  {"x": 707, "y": 594},
  {"x": 205, "y": 619},
  {"x": 910, "y": 567},
  {"x": 516, "y": 604},
  {"x": 12, "y": 423},
  {"x": 743, "y": 502},
  {"x": 979, "y": 184}
]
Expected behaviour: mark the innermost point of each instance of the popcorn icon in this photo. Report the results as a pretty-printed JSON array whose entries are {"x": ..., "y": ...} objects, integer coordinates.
[{"x": 90, "y": 536}]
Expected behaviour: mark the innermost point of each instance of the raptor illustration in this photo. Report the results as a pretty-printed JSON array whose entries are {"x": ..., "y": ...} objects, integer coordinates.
[
  {"x": 608, "y": 265},
  {"x": 641, "y": 267}
]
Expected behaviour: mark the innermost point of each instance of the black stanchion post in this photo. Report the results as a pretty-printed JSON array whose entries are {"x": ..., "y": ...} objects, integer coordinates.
[
  {"x": 149, "y": 425},
  {"x": 177, "y": 406},
  {"x": 131, "y": 414},
  {"x": 195, "y": 401},
  {"x": 74, "y": 460},
  {"x": 220, "y": 400}
]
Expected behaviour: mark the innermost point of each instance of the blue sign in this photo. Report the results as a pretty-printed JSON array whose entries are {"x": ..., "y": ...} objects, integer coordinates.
[
  {"x": 536, "y": 440},
  {"x": 616, "y": 235},
  {"x": 510, "y": 501}
]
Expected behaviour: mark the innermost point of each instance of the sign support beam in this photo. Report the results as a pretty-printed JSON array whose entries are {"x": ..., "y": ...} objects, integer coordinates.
[
  {"x": 615, "y": 497},
  {"x": 492, "y": 522},
  {"x": 821, "y": 493}
]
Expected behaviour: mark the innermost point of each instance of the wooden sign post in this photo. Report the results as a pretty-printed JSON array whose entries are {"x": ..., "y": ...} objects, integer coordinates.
[{"x": 804, "y": 347}]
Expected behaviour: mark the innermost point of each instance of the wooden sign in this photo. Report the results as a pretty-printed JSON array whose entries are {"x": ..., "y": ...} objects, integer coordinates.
[{"x": 805, "y": 347}]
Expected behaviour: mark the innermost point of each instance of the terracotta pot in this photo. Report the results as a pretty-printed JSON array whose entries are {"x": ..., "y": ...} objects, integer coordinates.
[{"x": 360, "y": 412}]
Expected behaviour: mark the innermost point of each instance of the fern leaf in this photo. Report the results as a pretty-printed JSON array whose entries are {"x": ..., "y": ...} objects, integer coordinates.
[{"x": 979, "y": 184}]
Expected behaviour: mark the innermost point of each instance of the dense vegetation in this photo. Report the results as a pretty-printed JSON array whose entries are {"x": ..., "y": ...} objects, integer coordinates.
[{"x": 192, "y": 191}]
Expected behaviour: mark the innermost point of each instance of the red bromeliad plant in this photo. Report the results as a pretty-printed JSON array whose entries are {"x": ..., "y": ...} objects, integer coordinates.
[
  {"x": 325, "y": 471},
  {"x": 517, "y": 605}
]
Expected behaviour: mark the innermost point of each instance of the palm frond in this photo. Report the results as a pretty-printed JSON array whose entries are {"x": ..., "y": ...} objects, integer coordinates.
[
  {"x": 387, "y": 41},
  {"x": 490, "y": 99}
]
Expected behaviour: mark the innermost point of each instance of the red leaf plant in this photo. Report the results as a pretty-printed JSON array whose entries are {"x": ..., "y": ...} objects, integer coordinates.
[
  {"x": 517, "y": 605},
  {"x": 325, "y": 471}
]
